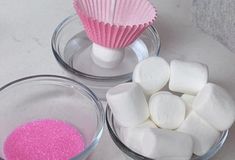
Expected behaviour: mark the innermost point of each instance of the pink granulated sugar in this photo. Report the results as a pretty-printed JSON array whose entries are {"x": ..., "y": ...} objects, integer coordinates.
[{"x": 44, "y": 140}]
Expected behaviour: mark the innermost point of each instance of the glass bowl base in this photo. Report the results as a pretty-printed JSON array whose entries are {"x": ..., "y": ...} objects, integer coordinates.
[{"x": 73, "y": 49}]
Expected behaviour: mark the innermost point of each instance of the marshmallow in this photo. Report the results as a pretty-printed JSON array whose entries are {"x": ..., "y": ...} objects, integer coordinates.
[
  {"x": 163, "y": 92},
  {"x": 133, "y": 138},
  {"x": 160, "y": 143},
  {"x": 187, "y": 77},
  {"x": 106, "y": 57},
  {"x": 204, "y": 135},
  {"x": 167, "y": 110},
  {"x": 147, "y": 124},
  {"x": 152, "y": 74},
  {"x": 130, "y": 136},
  {"x": 128, "y": 104},
  {"x": 216, "y": 106},
  {"x": 159, "y": 92},
  {"x": 188, "y": 100}
]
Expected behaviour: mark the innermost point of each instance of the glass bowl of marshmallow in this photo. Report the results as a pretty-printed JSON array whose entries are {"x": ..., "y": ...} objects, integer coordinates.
[{"x": 169, "y": 112}]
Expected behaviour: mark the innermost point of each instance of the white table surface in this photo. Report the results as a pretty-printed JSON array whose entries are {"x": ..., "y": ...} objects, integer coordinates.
[{"x": 26, "y": 27}]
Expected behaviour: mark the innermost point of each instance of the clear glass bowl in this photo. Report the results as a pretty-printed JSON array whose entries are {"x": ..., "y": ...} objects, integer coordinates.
[
  {"x": 51, "y": 97},
  {"x": 72, "y": 49},
  {"x": 114, "y": 131}
]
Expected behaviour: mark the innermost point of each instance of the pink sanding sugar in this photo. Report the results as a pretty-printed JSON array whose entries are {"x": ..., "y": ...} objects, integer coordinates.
[{"x": 44, "y": 140}]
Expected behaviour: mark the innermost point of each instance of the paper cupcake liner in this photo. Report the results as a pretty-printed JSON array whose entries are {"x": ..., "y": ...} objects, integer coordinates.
[{"x": 115, "y": 23}]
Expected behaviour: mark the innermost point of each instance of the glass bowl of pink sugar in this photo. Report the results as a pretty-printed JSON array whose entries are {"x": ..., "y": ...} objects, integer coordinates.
[{"x": 49, "y": 117}]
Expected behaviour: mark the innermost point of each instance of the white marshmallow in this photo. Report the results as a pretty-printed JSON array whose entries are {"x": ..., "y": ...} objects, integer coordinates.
[
  {"x": 107, "y": 57},
  {"x": 163, "y": 92},
  {"x": 128, "y": 104},
  {"x": 152, "y": 74},
  {"x": 147, "y": 124},
  {"x": 204, "y": 135},
  {"x": 188, "y": 100},
  {"x": 187, "y": 77},
  {"x": 160, "y": 143},
  {"x": 167, "y": 110},
  {"x": 159, "y": 92},
  {"x": 131, "y": 137},
  {"x": 216, "y": 106}
]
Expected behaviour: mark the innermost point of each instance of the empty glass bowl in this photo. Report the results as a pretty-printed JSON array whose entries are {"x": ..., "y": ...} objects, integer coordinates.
[
  {"x": 51, "y": 97},
  {"x": 115, "y": 133},
  {"x": 72, "y": 49}
]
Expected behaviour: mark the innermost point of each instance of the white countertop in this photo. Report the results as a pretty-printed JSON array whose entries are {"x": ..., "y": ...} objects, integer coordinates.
[{"x": 26, "y": 27}]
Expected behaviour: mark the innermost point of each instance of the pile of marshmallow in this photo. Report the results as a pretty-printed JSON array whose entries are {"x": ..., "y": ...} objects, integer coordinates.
[{"x": 160, "y": 125}]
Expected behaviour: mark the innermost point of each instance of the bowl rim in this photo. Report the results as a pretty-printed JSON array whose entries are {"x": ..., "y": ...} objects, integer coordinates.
[
  {"x": 99, "y": 107},
  {"x": 54, "y": 40},
  {"x": 132, "y": 154}
]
